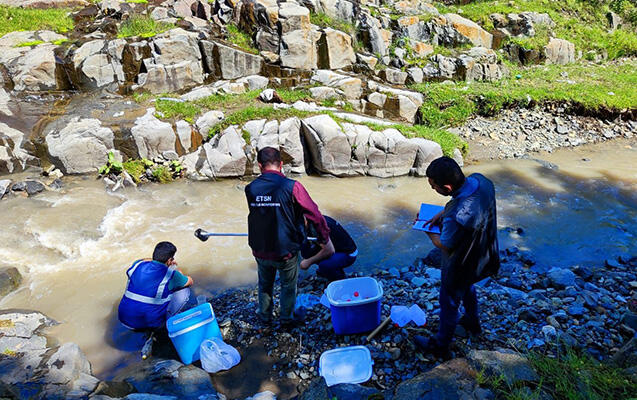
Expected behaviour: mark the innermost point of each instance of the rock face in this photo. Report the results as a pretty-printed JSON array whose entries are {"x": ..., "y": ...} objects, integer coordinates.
[
  {"x": 335, "y": 50},
  {"x": 478, "y": 64},
  {"x": 352, "y": 87},
  {"x": 81, "y": 147},
  {"x": 175, "y": 63},
  {"x": 223, "y": 156},
  {"x": 152, "y": 136},
  {"x": 559, "y": 51},
  {"x": 228, "y": 62},
  {"x": 31, "y": 67},
  {"x": 285, "y": 136},
  {"x": 97, "y": 63},
  {"x": 469, "y": 29},
  {"x": 520, "y": 25},
  {"x": 169, "y": 378},
  {"x": 328, "y": 145},
  {"x": 13, "y": 157}
]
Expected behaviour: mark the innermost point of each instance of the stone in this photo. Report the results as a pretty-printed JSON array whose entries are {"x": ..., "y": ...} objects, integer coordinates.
[
  {"x": 29, "y": 68},
  {"x": 415, "y": 75},
  {"x": 97, "y": 63},
  {"x": 175, "y": 63},
  {"x": 457, "y": 157},
  {"x": 335, "y": 50},
  {"x": 66, "y": 365},
  {"x": 428, "y": 150},
  {"x": 10, "y": 277},
  {"x": 4, "y": 187},
  {"x": 513, "y": 367},
  {"x": 80, "y": 147},
  {"x": 352, "y": 87},
  {"x": 317, "y": 390},
  {"x": 13, "y": 156},
  {"x": 470, "y": 30},
  {"x": 626, "y": 356},
  {"x": 321, "y": 93},
  {"x": 351, "y": 391},
  {"x": 298, "y": 49},
  {"x": 255, "y": 82},
  {"x": 293, "y": 17},
  {"x": 228, "y": 62},
  {"x": 168, "y": 378},
  {"x": 224, "y": 155},
  {"x": 327, "y": 144},
  {"x": 368, "y": 62},
  {"x": 270, "y": 96},
  {"x": 561, "y": 277},
  {"x": 384, "y": 153},
  {"x": 376, "y": 38},
  {"x": 152, "y": 136},
  {"x": 5, "y": 100},
  {"x": 453, "y": 379},
  {"x": 614, "y": 20},
  {"x": 559, "y": 51},
  {"x": 207, "y": 121}
]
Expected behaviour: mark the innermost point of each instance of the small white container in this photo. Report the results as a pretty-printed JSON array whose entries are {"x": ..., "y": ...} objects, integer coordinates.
[{"x": 346, "y": 365}]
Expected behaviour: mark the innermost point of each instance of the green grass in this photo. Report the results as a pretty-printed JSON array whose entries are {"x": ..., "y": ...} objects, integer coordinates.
[
  {"x": 29, "y": 44},
  {"x": 19, "y": 19},
  {"x": 595, "y": 87},
  {"x": 142, "y": 26},
  {"x": 569, "y": 376},
  {"x": 240, "y": 39},
  {"x": 177, "y": 110},
  {"x": 137, "y": 1},
  {"x": 582, "y": 22},
  {"x": 325, "y": 21},
  {"x": 137, "y": 168},
  {"x": 162, "y": 174},
  {"x": 537, "y": 42},
  {"x": 293, "y": 95},
  {"x": 253, "y": 112},
  {"x": 226, "y": 101}
]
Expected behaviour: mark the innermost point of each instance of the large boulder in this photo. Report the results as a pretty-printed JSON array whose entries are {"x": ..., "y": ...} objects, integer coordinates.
[
  {"x": 97, "y": 63},
  {"x": 469, "y": 29},
  {"x": 10, "y": 277},
  {"x": 13, "y": 157},
  {"x": 478, "y": 64},
  {"x": 80, "y": 147},
  {"x": 335, "y": 50},
  {"x": 428, "y": 150},
  {"x": 224, "y": 155},
  {"x": 298, "y": 49},
  {"x": 520, "y": 25},
  {"x": 376, "y": 38},
  {"x": 328, "y": 145},
  {"x": 352, "y": 87},
  {"x": 559, "y": 51},
  {"x": 152, "y": 136},
  {"x": 285, "y": 136},
  {"x": 452, "y": 380},
  {"x": 175, "y": 63},
  {"x": 207, "y": 121},
  {"x": 168, "y": 378},
  {"x": 228, "y": 62},
  {"x": 381, "y": 153},
  {"x": 30, "y": 68},
  {"x": 512, "y": 367}
]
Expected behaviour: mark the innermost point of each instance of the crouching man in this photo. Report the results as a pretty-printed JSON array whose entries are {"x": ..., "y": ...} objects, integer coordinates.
[{"x": 156, "y": 290}]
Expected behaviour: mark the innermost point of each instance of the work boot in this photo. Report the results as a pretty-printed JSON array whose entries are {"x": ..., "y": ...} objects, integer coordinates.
[
  {"x": 473, "y": 328},
  {"x": 430, "y": 345}
]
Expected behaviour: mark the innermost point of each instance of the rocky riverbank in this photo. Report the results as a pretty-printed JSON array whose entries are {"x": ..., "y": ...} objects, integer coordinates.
[{"x": 525, "y": 309}]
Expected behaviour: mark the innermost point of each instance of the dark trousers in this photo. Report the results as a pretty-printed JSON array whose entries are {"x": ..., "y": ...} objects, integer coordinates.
[
  {"x": 288, "y": 273},
  {"x": 449, "y": 302},
  {"x": 332, "y": 268}
]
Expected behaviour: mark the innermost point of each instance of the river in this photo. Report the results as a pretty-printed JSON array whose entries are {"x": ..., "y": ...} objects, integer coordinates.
[{"x": 73, "y": 247}]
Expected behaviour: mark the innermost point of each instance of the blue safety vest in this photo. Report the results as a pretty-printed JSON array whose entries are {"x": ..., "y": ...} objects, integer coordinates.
[{"x": 145, "y": 301}]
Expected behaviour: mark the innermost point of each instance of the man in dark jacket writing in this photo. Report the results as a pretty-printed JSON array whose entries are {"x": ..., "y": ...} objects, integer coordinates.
[
  {"x": 469, "y": 245},
  {"x": 276, "y": 231}
]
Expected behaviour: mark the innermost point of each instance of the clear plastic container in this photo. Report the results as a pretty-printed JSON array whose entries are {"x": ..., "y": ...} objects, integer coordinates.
[{"x": 346, "y": 365}]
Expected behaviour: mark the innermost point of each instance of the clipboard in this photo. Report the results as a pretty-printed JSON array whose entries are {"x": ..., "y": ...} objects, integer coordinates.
[{"x": 427, "y": 211}]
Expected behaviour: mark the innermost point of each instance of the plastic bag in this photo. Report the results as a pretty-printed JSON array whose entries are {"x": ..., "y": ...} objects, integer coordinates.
[
  {"x": 216, "y": 355},
  {"x": 401, "y": 315},
  {"x": 306, "y": 300}
]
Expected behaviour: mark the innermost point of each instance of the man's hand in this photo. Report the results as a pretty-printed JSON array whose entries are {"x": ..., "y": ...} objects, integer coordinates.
[
  {"x": 305, "y": 264},
  {"x": 436, "y": 220}
]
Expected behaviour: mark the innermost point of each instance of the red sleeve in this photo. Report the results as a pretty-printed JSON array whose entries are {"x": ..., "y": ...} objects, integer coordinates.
[{"x": 311, "y": 212}]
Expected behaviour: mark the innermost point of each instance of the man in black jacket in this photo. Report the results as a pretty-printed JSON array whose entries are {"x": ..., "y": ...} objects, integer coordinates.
[
  {"x": 469, "y": 245},
  {"x": 276, "y": 231}
]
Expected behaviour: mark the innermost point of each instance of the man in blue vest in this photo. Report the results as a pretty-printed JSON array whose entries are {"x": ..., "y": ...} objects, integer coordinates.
[
  {"x": 276, "y": 231},
  {"x": 469, "y": 245},
  {"x": 156, "y": 290}
]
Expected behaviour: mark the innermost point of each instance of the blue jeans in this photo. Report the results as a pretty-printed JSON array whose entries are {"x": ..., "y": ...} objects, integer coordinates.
[
  {"x": 288, "y": 273},
  {"x": 332, "y": 268},
  {"x": 449, "y": 302},
  {"x": 178, "y": 301}
]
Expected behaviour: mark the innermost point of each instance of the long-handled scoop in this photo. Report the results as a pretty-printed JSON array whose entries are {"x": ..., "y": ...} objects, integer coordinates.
[{"x": 203, "y": 235}]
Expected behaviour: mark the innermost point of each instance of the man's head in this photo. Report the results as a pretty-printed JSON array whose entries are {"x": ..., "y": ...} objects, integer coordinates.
[
  {"x": 269, "y": 158},
  {"x": 445, "y": 175},
  {"x": 164, "y": 252}
]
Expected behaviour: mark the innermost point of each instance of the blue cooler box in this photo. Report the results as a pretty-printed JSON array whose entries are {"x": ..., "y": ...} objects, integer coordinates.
[
  {"x": 188, "y": 329},
  {"x": 355, "y": 305}
]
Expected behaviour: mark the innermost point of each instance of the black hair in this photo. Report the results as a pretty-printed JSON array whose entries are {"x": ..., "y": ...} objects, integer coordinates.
[
  {"x": 269, "y": 155},
  {"x": 164, "y": 251},
  {"x": 445, "y": 171}
]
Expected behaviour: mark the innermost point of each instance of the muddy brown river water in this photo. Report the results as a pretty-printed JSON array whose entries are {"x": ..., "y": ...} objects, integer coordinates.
[{"x": 73, "y": 247}]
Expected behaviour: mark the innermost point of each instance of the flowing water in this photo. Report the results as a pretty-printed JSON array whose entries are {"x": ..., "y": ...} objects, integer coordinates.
[{"x": 73, "y": 247}]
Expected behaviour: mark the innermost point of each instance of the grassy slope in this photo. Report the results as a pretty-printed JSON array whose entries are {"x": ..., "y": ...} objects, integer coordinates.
[{"x": 18, "y": 19}]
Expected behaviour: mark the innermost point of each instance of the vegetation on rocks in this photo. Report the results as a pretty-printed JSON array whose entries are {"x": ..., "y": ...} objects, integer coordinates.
[
  {"x": 142, "y": 26},
  {"x": 28, "y": 19},
  {"x": 240, "y": 39},
  {"x": 325, "y": 21},
  {"x": 605, "y": 86},
  {"x": 253, "y": 112}
]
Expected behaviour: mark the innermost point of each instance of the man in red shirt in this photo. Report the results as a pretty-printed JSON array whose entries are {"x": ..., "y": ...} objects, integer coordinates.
[{"x": 276, "y": 231}]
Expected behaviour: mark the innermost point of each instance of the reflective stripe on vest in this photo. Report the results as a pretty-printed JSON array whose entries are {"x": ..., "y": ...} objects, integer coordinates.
[{"x": 158, "y": 299}]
